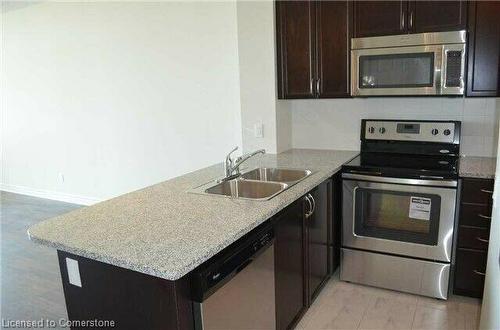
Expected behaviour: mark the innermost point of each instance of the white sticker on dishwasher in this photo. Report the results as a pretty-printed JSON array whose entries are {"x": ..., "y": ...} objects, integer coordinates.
[
  {"x": 420, "y": 208},
  {"x": 73, "y": 272}
]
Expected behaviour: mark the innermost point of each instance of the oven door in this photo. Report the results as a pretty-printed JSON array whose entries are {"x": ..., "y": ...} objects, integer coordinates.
[
  {"x": 399, "y": 216},
  {"x": 397, "y": 71}
]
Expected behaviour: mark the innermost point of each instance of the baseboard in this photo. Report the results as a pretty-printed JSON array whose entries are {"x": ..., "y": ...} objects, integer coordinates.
[{"x": 54, "y": 195}]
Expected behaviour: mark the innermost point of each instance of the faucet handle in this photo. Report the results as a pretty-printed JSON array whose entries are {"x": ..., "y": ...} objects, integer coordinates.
[{"x": 228, "y": 157}]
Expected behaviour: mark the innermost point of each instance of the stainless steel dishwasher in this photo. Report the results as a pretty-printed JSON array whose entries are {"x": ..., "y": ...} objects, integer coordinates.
[{"x": 236, "y": 289}]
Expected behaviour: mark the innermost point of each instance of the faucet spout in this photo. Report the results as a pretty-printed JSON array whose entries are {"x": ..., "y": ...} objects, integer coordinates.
[{"x": 232, "y": 168}]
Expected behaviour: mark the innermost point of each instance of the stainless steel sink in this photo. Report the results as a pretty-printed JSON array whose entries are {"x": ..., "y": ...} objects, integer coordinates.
[
  {"x": 258, "y": 184},
  {"x": 238, "y": 188},
  {"x": 276, "y": 175}
]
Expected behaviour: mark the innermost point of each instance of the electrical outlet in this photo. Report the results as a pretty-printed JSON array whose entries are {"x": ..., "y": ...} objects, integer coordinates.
[{"x": 258, "y": 130}]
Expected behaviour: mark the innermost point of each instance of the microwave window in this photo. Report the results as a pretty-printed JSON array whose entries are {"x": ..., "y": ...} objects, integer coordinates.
[{"x": 396, "y": 70}]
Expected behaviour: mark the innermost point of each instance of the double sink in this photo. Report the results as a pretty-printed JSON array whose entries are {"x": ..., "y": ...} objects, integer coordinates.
[{"x": 258, "y": 184}]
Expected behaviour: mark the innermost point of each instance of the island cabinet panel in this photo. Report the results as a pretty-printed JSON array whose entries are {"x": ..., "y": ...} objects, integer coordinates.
[
  {"x": 378, "y": 18},
  {"x": 436, "y": 16},
  {"x": 132, "y": 300},
  {"x": 313, "y": 49},
  {"x": 473, "y": 235},
  {"x": 303, "y": 233},
  {"x": 289, "y": 265},
  {"x": 483, "y": 77}
]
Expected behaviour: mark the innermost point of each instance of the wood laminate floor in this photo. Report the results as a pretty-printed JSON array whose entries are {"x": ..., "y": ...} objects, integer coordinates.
[{"x": 30, "y": 286}]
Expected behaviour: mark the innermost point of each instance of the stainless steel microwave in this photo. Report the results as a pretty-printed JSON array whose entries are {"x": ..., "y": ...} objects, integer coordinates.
[{"x": 409, "y": 64}]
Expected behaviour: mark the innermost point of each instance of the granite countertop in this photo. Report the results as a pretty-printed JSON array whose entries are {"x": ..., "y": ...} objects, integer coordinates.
[
  {"x": 165, "y": 231},
  {"x": 477, "y": 167}
]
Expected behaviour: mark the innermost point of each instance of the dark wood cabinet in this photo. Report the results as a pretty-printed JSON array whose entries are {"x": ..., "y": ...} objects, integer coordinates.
[
  {"x": 473, "y": 235},
  {"x": 312, "y": 49},
  {"x": 295, "y": 26},
  {"x": 332, "y": 40},
  {"x": 435, "y": 16},
  {"x": 377, "y": 18},
  {"x": 317, "y": 234},
  {"x": 483, "y": 77},
  {"x": 303, "y": 233},
  {"x": 289, "y": 265}
]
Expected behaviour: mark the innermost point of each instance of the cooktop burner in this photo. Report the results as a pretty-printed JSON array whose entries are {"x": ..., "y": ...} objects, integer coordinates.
[{"x": 404, "y": 165}]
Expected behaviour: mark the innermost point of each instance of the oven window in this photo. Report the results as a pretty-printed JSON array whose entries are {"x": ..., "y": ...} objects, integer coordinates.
[
  {"x": 396, "y": 215},
  {"x": 396, "y": 70}
]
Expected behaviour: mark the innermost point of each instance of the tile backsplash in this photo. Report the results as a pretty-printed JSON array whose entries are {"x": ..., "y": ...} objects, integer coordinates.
[{"x": 335, "y": 124}]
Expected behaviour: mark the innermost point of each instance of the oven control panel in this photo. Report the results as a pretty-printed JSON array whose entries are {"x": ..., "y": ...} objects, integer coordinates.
[{"x": 417, "y": 131}]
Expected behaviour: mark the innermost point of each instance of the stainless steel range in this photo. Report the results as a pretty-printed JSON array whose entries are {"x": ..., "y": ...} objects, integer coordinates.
[{"x": 399, "y": 202}]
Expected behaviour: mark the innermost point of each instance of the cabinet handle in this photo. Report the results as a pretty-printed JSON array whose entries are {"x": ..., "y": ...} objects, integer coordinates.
[
  {"x": 483, "y": 216},
  {"x": 318, "y": 86},
  {"x": 410, "y": 23},
  {"x": 310, "y": 212},
  {"x": 482, "y": 240},
  {"x": 403, "y": 14},
  {"x": 311, "y": 88},
  {"x": 487, "y": 191},
  {"x": 314, "y": 204},
  {"x": 479, "y": 273}
]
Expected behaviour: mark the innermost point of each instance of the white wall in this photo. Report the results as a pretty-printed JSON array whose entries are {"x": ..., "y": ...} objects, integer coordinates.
[
  {"x": 257, "y": 58},
  {"x": 116, "y": 96},
  {"x": 335, "y": 124}
]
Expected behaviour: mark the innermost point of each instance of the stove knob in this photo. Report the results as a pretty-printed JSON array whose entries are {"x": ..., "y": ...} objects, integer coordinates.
[
  {"x": 446, "y": 132},
  {"x": 434, "y": 131},
  {"x": 371, "y": 130},
  {"x": 381, "y": 130}
]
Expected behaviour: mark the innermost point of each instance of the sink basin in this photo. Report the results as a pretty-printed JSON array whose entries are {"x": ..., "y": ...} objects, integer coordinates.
[
  {"x": 247, "y": 189},
  {"x": 276, "y": 175}
]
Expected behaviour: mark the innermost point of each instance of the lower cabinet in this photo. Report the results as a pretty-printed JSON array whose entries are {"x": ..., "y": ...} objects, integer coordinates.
[
  {"x": 302, "y": 235},
  {"x": 473, "y": 235}
]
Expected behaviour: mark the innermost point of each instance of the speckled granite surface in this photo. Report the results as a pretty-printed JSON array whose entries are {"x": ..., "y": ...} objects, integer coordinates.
[
  {"x": 477, "y": 167},
  {"x": 163, "y": 230}
]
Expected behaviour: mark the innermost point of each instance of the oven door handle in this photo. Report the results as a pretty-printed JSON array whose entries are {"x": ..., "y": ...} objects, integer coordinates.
[{"x": 417, "y": 182}]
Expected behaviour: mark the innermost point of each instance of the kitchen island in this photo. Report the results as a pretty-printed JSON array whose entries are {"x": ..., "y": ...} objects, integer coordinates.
[{"x": 165, "y": 232}]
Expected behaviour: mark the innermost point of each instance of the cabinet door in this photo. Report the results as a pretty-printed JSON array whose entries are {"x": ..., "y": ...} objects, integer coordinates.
[
  {"x": 469, "y": 273},
  {"x": 295, "y": 37},
  {"x": 435, "y": 16},
  {"x": 484, "y": 49},
  {"x": 318, "y": 229},
  {"x": 377, "y": 18},
  {"x": 289, "y": 265},
  {"x": 333, "y": 39}
]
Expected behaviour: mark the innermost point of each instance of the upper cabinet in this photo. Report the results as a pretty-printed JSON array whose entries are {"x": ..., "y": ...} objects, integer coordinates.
[
  {"x": 379, "y": 18},
  {"x": 313, "y": 49},
  {"x": 484, "y": 49},
  {"x": 436, "y": 16}
]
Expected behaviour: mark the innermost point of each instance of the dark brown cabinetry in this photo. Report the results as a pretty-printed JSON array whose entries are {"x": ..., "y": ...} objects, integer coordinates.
[
  {"x": 313, "y": 49},
  {"x": 302, "y": 232},
  {"x": 473, "y": 235},
  {"x": 484, "y": 49},
  {"x": 378, "y": 18},
  {"x": 289, "y": 265}
]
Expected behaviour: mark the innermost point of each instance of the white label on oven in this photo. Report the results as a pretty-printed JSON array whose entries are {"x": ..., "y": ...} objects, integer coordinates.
[{"x": 420, "y": 208}]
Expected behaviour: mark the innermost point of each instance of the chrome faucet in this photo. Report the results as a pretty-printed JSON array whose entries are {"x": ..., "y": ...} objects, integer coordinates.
[{"x": 232, "y": 167}]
